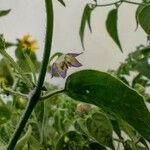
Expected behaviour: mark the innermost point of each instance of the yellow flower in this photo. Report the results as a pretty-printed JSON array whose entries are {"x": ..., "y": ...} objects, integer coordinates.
[{"x": 27, "y": 43}]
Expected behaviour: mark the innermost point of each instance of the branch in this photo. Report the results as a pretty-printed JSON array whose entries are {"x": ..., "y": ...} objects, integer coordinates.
[
  {"x": 35, "y": 95},
  {"x": 46, "y": 96},
  {"x": 120, "y": 1}
]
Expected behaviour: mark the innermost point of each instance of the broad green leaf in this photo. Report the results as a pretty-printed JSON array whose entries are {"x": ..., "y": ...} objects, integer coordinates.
[
  {"x": 109, "y": 93},
  {"x": 112, "y": 27},
  {"x": 86, "y": 17},
  {"x": 4, "y": 12},
  {"x": 144, "y": 19},
  {"x": 99, "y": 126},
  {"x": 24, "y": 140},
  {"x": 138, "y": 10},
  {"x": 62, "y": 2}
]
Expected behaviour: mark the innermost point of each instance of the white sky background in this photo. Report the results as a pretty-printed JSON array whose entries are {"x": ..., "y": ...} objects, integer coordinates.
[{"x": 28, "y": 16}]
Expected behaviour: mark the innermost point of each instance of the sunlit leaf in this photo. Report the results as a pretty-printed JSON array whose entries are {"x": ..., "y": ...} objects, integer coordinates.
[
  {"x": 144, "y": 19},
  {"x": 112, "y": 27},
  {"x": 112, "y": 95}
]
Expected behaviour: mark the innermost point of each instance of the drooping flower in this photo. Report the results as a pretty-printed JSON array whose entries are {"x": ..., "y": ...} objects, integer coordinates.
[
  {"x": 28, "y": 43},
  {"x": 61, "y": 65}
]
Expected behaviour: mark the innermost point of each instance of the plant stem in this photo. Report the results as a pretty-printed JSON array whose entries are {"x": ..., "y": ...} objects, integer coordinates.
[
  {"x": 135, "y": 3},
  {"x": 34, "y": 97},
  {"x": 46, "y": 96},
  {"x": 120, "y": 1},
  {"x": 7, "y": 90}
]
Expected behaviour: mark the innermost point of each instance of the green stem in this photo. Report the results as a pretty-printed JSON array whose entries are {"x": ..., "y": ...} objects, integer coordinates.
[
  {"x": 120, "y": 1},
  {"x": 135, "y": 3},
  {"x": 34, "y": 98},
  {"x": 46, "y": 96},
  {"x": 20, "y": 71},
  {"x": 6, "y": 90}
]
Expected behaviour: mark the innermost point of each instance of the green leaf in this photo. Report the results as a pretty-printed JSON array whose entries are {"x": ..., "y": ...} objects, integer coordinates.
[
  {"x": 138, "y": 10},
  {"x": 71, "y": 140},
  {"x": 111, "y": 26},
  {"x": 116, "y": 128},
  {"x": 129, "y": 145},
  {"x": 62, "y": 2},
  {"x": 109, "y": 93},
  {"x": 5, "y": 114},
  {"x": 96, "y": 146},
  {"x": 99, "y": 126},
  {"x": 24, "y": 140},
  {"x": 4, "y": 12},
  {"x": 86, "y": 17},
  {"x": 144, "y": 19},
  {"x": 143, "y": 67},
  {"x": 34, "y": 144},
  {"x": 6, "y": 72},
  {"x": 39, "y": 112}
]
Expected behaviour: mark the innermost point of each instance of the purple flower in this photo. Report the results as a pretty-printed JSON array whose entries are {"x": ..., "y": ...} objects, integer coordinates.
[{"x": 61, "y": 65}]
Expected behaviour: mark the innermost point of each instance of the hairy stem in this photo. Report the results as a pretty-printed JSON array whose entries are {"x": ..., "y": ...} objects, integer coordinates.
[{"x": 35, "y": 95}]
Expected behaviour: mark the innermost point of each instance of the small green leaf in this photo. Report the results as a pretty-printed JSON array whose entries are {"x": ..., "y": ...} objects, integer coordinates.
[
  {"x": 35, "y": 144},
  {"x": 116, "y": 128},
  {"x": 6, "y": 72},
  {"x": 24, "y": 140},
  {"x": 111, "y": 26},
  {"x": 4, "y": 12},
  {"x": 71, "y": 140},
  {"x": 99, "y": 126},
  {"x": 5, "y": 114},
  {"x": 138, "y": 10},
  {"x": 109, "y": 93},
  {"x": 129, "y": 145},
  {"x": 86, "y": 17},
  {"x": 143, "y": 67},
  {"x": 62, "y": 2},
  {"x": 144, "y": 19}
]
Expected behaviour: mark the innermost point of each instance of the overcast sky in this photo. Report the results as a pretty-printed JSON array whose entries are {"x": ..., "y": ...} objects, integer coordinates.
[{"x": 28, "y": 16}]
